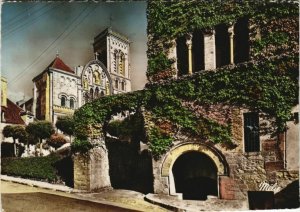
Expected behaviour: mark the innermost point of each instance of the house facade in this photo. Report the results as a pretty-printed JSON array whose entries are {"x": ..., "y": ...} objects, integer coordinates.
[{"x": 221, "y": 76}]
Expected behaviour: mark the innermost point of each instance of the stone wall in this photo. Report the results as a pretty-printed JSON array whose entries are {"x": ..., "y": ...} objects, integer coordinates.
[
  {"x": 64, "y": 84},
  {"x": 91, "y": 170},
  {"x": 81, "y": 172},
  {"x": 247, "y": 171}
]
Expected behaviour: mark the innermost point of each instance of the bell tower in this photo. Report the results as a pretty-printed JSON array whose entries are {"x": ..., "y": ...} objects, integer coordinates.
[{"x": 112, "y": 49}]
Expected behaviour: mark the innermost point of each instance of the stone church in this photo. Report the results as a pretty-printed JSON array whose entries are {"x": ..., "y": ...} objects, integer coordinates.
[{"x": 59, "y": 89}]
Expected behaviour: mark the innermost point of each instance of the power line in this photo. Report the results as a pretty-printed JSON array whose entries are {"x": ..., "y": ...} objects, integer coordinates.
[
  {"x": 44, "y": 51},
  {"x": 19, "y": 28},
  {"x": 21, "y": 15}
]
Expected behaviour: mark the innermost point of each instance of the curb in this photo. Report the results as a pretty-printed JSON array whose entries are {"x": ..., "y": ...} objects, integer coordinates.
[
  {"x": 153, "y": 200},
  {"x": 39, "y": 184}
]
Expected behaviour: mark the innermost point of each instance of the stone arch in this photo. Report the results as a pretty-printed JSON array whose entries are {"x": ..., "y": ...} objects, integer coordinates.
[
  {"x": 175, "y": 152},
  {"x": 101, "y": 65},
  {"x": 170, "y": 158}
]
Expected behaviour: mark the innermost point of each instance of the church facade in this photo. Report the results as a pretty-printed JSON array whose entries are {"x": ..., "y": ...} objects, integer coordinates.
[{"x": 59, "y": 90}]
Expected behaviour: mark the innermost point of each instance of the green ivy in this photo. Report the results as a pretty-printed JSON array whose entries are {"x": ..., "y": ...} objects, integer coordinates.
[
  {"x": 276, "y": 38},
  {"x": 170, "y": 20},
  {"x": 81, "y": 146},
  {"x": 160, "y": 141},
  {"x": 269, "y": 86}
]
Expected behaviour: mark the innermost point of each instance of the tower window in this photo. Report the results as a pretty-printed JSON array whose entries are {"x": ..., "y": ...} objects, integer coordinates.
[
  {"x": 182, "y": 56},
  {"x": 63, "y": 101},
  {"x": 116, "y": 84},
  {"x": 96, "y": 92},
  {"x": 241, "y": 41},
  {"x": 72, "y": 103},
  {"x": 92, "y": 93},
  {"x": 123, "y": 85},
  {"x": 222, "y": 45}
]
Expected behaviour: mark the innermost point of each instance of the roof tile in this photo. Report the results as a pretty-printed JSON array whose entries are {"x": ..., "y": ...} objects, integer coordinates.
[
  {"x": 12, "y": 113},
  {"x": 57, "y": 63}
]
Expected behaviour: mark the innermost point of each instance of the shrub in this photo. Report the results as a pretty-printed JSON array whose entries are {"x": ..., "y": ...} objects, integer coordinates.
[
  {"x": 81, "y": 146},
  {"x": 41, "y": 168},
  {"x": 66, "y": 125},
  {"x": 56, "y": 140}
]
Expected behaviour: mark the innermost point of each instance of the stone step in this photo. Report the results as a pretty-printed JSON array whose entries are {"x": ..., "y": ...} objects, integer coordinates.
[{"x": 274, "y": 165}]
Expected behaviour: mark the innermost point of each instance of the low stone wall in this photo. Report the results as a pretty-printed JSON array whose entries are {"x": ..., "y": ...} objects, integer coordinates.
[{"x": 91, "y": 170}]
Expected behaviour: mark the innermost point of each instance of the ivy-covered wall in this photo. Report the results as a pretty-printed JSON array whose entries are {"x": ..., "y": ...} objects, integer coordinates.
[
  {"x": 273, "y": 27},
  {"x": 267, "y": 84}
]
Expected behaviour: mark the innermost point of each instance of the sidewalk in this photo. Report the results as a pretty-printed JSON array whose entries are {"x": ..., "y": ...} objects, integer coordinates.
[
  {"x": 121, "y": 198},
  {"x": 40, "y": 184},
  {"x": 213, "y": 204}
]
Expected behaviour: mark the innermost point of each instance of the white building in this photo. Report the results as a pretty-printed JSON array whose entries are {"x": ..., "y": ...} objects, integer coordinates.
[{"x": 59, "y": 90}]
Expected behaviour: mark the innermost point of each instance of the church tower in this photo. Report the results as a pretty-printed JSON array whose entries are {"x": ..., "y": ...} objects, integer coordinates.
[{"x": 112, "y": 49}]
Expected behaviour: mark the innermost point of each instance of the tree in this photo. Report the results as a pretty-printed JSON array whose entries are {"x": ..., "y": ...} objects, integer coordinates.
[
  {"x": 56, "y": 140},
  {"x": 16, "y": 132},
  {"x": 66, "y": 124},
  {"x": 40, "y": 130}
]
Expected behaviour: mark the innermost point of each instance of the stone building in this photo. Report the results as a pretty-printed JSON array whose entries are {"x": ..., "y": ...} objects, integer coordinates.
[
  {"x": 59, "y": 89},
  {"x": 11, "y": 113},
  {"x": 183, "y": 60}
]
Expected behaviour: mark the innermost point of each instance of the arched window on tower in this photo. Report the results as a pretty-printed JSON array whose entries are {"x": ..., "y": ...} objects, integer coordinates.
[
  {"x": 63, "y": 101},
  {"x": 198, "y": 51},
  {"x": 222, "y": 45},
  {"x": 72, "y": 103},
  {"x": 122, "y": 64},
  {"x": 96, "y": 93},
  {"x": 91, "y": 93},
  {"x": 123, "y": 86},
  {"x": 182, "y": 56},
  {"x": 115, "y": 61},
  {"x": 241, "y": 41},
  {"x": 116, "y": 83},
  {"x": 86, "y": 97}
]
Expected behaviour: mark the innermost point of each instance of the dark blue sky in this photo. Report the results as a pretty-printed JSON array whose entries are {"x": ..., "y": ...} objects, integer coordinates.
[{"x": 32, "y": 33}]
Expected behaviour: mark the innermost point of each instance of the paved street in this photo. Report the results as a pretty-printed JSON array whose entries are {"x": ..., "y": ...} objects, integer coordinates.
[{"x": 17, "y": 197}]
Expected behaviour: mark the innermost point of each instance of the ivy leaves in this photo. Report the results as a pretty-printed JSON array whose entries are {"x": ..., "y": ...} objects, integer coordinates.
[{"x": 269, "y": 86}]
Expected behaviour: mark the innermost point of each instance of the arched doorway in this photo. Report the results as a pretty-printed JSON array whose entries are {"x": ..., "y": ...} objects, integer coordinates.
[
  {"x": 193, "y": 155},
  {"x": 195, "y": 176}
]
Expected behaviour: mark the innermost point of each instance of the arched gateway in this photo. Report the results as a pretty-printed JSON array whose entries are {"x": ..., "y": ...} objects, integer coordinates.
[{"x": 192, "y": 170}]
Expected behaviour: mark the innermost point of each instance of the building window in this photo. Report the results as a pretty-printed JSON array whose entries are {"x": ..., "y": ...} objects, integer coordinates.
[
  {"x": 122, "y": 64},
  {"x": 115, "y": 61},
  {"x": 96, "y": 93},
  {"x": 63, "y": 101},
  {"x": 241, "y": 41},
  {"x": 91, "y": 93},
  {"x": 123, "y": 85},
  {"x": 222, "y": 45},
  {"x": 72, "y": 103},
  {"x": 198, "y": 51},
  {"x": 2, "y": 116},
  {"x": 116, "y": 83},
  {"x": 251, "y": 132},
  {"x": 86, "y": 97},
  {"x": 182, "y": 56}
]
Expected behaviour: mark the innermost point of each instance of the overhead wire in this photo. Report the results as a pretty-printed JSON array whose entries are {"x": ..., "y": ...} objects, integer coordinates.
[
  {"x": 21, "y": 15},
  {"x": 53, "y": 42},
  {"x": 30, "y": 22}
]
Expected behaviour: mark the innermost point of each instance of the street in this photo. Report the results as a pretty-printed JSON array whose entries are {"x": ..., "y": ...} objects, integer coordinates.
[{"x": 16, "y": 197}]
